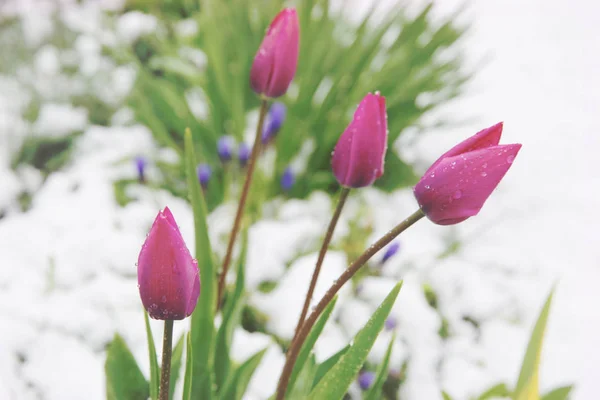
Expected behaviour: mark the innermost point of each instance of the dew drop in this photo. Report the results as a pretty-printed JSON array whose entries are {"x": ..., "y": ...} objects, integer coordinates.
[
  {"x": 457, "y": 195},
  {"x": 432, "y": 175},
  {"x": 484, "y": 165},
  {"x": 484, "y": 174},
  {"x": 427, "y": 187},
  {"x": 510, "y": 159},
  {"x": 164, "y": 299}
]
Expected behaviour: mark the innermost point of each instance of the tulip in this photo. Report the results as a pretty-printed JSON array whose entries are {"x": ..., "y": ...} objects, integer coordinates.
[
  {"x": 390, "y": 251},
  {"x": 457, "y": 185},
  {"x": 225, "y": 146},
  {"x": 274, "y": 122},
  {"x": 366, "y": 379},
  {"x": 359, "y": 153},
  {"x": 140, "y": 166},
  {"x": 244, "y": 154},
  {"x": 167, "y": 274},
  {"x": 275, "y": 62},
  {"x": 204, "y": 173},
  {"x": 287, "y": 179}
]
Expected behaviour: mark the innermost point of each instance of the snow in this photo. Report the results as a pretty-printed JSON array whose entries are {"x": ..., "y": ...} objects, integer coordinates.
[{"x": 68, "y": 281}]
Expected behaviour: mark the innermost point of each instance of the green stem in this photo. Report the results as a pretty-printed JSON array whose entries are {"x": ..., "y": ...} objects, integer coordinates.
[
  {"x": 165, "y": 371},
  {"x": 296, "y": 344},
  {"x": 322, "y": 252},
  {"x": 244, "y": 195}
]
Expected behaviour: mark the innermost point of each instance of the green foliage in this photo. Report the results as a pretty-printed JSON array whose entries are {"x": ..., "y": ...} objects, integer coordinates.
[
  {"x": 339, "y": 63},
  {"x": 237, "y": 382},
  {"x": 176, "y": 365},
  {"x": 499, "y": 390},
  {"x": 189, "y": 370},
  {"x": 561, "y": 393},
  {"x": 154, "y": 368},
  {"x": 374, "y": 391},
  {"x": 336, "y": 382},
  {"x": 124, "y": 380}
]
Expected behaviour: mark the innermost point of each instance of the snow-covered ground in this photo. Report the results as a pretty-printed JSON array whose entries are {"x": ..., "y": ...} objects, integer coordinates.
[{"x": 67, "y": 275}]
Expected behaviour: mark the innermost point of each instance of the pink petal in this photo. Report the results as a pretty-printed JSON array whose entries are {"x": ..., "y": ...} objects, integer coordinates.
[
  {"x": 285, "y": 58},
  {"x": 457, "y": 187}
]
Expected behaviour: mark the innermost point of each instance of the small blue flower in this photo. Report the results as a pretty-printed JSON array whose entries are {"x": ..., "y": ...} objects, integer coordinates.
[
  {"x": 365, "y": 379},
  {"x": 225, "y": 146},
  {"x": 287, "y": 179},
  {"x": 140, "y": 165},
  {"x": 390, "y": 251},
  {"x": 275, "y": 120},
  {"x": 244, "y": 152},
  {"x": 391, "y": 323},
  {"x": 204, "y": 172}
]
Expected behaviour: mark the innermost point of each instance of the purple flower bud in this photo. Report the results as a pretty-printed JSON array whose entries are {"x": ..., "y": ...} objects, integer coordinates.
[
  {"x": 287, "y": 179},
  {"x": 275, "y": 63},
  {"x": 204, "y": 173},
  {"x": 390, "y": 251},
  {"x": 390, "y": 323},
  {"x": 366, "y": 379},
  {"x": 360, "y": 152},
  {"x": 274, "y": 122},
  {"x": 140, "y": 165},
  {"x": 225, "y": 146},
  {"x": 457, "y": 185},
  {"x": 244, "y": 152},
  {"x": 167, "y": 274}
]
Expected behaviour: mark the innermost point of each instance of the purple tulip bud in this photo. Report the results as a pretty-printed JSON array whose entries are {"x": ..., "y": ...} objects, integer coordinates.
[
  {"x": 225, "y": 146},
  {"x": 244, "y": 152},
  {"x": 140, "y": 165},
  {"x": 167, "y": 274},
  {"x": 288, "y": 179},
  {"x": 275, "y": 62},
  {"x": 390, "y": 324},
  {"x": 390, "y": 251},
  {"x": 366, "y": 379},
  {"x": 359, "y": 153},
  {"x": 457, "y": 185},
  {"x": 274, "y": 122},
  {"x": 204, "y": 173}
]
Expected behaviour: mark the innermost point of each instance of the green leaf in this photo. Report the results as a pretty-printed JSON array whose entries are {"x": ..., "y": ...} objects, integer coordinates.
[
  {"x": 561, "y": 393},
  {"x": 335, "y": 384},
  {"x": 154, "y": 368},
  {"x": 231, "y": 318},
  {"x": 309, "y": 343},
  {"x": 175, "y": 365},
  {"x": 326, "y": 365},
  {"x": 189, "y": 368},
  {"x": 203, "y": 328},
  {"x": 499, "y": 390},
  {"x": 446, "y": 396},
  {"x": 124, "y": 380},
  {"x": 374, "y": 392},
  {"x": 304, "y": 381},
  {"x": 527, "y": 385},
  {"x": 237, "y": 382}
]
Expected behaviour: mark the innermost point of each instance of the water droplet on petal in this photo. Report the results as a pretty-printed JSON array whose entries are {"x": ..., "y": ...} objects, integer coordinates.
[
  {"x": 164, "y": 299},
  {"x": 457, "y": 195},
  {"x": 510, "y": 159},
  {"x": 484, "y": 174},
  {"x": 427, "y": 187},
  {"x": 484, "y": 165},
  {"x": 432, "y": 175}
]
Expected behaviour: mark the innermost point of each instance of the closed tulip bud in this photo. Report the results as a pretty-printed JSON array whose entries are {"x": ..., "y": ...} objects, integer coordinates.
[
  {"x": 167, "y": 274},
  {"x": 244, "y": 152},
  {"x": 275, "y": 62},
  {"x": 275, "y": 120},
  {"x": 225, "y": 146},
  {"x": 288, "y": 179},
  {"x": 204, "y": 172},
  {"x": 457, "y": 185},
  {"x": 359, "y": 153}
]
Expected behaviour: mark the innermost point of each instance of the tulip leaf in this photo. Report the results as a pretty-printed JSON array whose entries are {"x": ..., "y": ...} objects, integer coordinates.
[
  {"x": 231, "y": 317},
  {"x": 304, "y": 381},
  {"x": 527, "y": 386},
  {"x": 561, "y": 393},
  {"x": 202, "y": 328},
  {"x": 176, "y": 365},
  {"x": 374, "y": 392},
  {"x": 446, "y": 396},
  {"x": 309, "y": 343},
  {"x": 154, "y": 368},
  {"x": 124, "y": 380},
  {"x": 189, "y": 368},
  {"x": 237, "y": 382},
  {"x": 326, "y": 365},
  {"x": 335, "y": 383},
  {"x": 499, "y": 390}
]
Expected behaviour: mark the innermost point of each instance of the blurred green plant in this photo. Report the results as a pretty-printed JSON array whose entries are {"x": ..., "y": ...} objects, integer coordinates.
[{"x": 415, "y": 63}]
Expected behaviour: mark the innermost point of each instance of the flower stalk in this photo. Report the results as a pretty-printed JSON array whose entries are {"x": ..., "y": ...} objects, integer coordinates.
[
  {"x": 322, "y": 252},
  {"x": 242, "y": 203},
  {"x": 298, "y": 341},
  {"x": 165, "y": 371}
]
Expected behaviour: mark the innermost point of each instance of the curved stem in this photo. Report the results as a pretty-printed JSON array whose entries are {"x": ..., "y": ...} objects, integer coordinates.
[
  {"x": 322, "y": 252},
  {"x": 165, "y": 371},
  {"x": 294, "y": 349},
  {"x": 240, "y": 210}
]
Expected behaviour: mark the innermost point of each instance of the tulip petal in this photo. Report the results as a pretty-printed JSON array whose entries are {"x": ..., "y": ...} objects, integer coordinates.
[
  {"x": 457, "y": 187},
  {"x": 194, "y": 292},
  {"x": 285, "y": 57}
]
